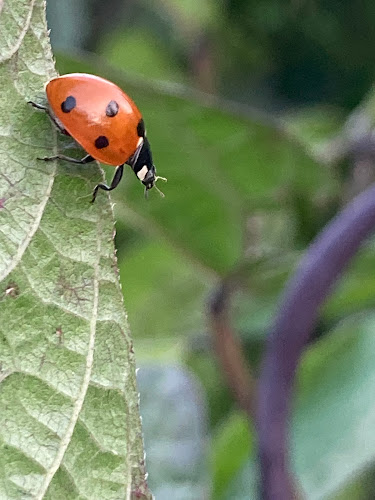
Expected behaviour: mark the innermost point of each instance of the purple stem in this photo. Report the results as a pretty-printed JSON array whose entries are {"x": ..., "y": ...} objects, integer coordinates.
[{"x": 319, "y": 269}]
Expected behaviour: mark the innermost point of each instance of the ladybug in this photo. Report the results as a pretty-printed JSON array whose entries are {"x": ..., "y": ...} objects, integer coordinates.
[{"x": 105, "y": 122}]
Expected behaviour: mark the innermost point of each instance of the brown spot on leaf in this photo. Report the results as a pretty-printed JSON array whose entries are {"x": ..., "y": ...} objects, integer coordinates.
[
  {"x": 12, "y": 290},
  {"x": 60, "y": 335}
]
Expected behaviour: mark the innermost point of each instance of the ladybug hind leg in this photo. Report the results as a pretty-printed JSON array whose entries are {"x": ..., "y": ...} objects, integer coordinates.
[{"x": 115, "y": 182}]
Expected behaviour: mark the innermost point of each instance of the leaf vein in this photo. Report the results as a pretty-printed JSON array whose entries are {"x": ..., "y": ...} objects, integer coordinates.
[
  {"x": 25, "y": 29},
  {"x": 64, "y": 443}
]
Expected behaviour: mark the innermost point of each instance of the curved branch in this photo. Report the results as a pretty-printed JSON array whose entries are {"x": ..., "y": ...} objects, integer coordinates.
[
  {"x": 321, "y": 266},
  {"x": 229, "y": 351}
]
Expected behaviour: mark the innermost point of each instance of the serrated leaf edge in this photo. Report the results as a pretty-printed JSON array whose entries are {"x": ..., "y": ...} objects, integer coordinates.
[{"x": 22, "y": 34}]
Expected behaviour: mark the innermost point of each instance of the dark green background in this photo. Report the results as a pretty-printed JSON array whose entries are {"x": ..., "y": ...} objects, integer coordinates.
[{"x": 253, "y": 174}]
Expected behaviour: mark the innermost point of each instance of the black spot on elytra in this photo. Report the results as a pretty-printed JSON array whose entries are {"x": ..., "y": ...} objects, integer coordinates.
[
  {"x": 101, "y": 142},
  {"x": 112, "y": 109},
  {"x": 141, "y": 128},
  {"x": 68, "y": 104}
]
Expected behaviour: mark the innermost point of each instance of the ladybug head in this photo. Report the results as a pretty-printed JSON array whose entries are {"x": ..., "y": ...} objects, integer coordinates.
[
  {"x": 150, "y": 179},
  {"x": 142, "y": 164}
]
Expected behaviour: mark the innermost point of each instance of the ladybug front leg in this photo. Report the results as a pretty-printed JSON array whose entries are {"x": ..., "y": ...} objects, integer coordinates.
[
  {"x": 115, "y": 182},
  {"x": 52, "y": 117},
  {"x": 38, "y": 106}
]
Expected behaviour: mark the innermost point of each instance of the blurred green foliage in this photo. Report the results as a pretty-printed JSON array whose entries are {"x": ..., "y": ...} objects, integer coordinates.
[{"x": 246, "y": 193}]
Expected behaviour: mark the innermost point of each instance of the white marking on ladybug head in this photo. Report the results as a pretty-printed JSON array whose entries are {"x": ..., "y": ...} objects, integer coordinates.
[
  {"x": 140, "y": 140},
  {"x": 141, "y": 174}
]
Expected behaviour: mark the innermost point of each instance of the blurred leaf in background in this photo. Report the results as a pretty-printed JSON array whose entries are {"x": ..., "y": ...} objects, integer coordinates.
[
  {"x": 175, "y": 433},
  {"x": 243, "y": 187}
]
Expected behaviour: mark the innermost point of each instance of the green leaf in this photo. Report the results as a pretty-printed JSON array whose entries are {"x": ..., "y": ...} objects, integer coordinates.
[
  {"x": 316, "y": 127},
  {"x": 333, "y": 439},
  {"x": 335, "y": 411},
  {"x": 179, "y": 288},
  {"x": 222, "y": 164},
  {"x": 69, "y": 417},
  {"x": 230, "y": 448},
  {"x": 356, "y": 290},
  {"x": 144, "y": 55}
]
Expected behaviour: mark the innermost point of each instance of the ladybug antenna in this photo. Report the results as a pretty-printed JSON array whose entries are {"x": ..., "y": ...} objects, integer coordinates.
[
  {"x": 160, "y": 192},
  {"x": 155, "y": 186}
]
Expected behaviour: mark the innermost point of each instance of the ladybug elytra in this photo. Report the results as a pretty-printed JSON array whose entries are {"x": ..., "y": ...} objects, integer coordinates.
[{"x": 104, "y": 121}]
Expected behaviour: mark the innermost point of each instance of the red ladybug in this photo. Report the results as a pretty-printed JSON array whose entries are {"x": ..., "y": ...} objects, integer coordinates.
[{"x": 104, "y": 121}]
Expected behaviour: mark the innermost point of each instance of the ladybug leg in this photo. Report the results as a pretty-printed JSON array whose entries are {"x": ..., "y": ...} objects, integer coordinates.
[
  {"x": 52, "y": 117},
  {"x": 38, "y": 106},
  {"x": 115, "y": 182},
  {"x": 82, "y": 161}
]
